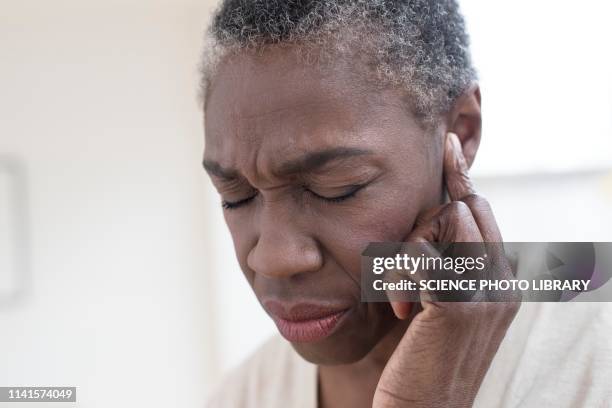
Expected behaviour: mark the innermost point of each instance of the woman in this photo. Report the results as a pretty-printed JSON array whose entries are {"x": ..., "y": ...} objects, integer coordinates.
[{"x": 331, "y": 124}]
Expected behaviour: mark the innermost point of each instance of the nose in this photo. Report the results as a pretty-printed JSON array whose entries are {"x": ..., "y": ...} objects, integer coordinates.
[{"x": 283, "y": 248}]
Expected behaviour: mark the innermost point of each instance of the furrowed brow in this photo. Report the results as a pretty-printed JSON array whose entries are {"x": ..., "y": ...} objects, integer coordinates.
[
  {"x": 215, "y": 169},
  {"x": 317, "y": 159}
]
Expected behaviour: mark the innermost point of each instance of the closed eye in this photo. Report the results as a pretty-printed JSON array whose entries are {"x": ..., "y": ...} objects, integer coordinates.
[
  {"x": 339, "y": 198},
  {"x": 232, "y": 205}
]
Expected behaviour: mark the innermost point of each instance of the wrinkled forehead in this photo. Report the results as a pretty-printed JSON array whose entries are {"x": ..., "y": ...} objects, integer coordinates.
[{"x": 275, "y": 105}]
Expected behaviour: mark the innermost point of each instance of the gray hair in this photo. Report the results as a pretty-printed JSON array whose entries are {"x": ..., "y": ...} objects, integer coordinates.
[{"x": 420, "y": 46}]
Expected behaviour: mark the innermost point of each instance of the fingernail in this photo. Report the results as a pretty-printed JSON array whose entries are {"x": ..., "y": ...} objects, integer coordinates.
[{"x": 453, "y": 139}]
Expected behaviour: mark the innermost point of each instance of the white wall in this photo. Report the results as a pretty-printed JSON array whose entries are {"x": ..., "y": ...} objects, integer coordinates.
[
  {"x": 97, "y": 102},
  {"x": 546, "y": 78}
]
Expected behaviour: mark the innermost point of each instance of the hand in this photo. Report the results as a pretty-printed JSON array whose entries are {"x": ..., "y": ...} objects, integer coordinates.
[{"x": 446, "y": 351}]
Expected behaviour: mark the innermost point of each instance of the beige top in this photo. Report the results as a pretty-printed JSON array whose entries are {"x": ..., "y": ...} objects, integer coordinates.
[{"x": 554, "y": 355}]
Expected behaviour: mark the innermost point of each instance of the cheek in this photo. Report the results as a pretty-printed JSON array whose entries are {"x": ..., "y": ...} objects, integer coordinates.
[
  {"x": 386, "y": 214},
  {"x": 243, "y": 238},
  {"x": 346, "y": 238}
]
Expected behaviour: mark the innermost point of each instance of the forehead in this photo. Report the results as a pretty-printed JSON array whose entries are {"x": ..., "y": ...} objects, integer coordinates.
[{"x": 274, "y": 105}]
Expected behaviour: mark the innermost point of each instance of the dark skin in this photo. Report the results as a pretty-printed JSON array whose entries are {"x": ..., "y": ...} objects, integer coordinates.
[{"x": 313, "y": 165}]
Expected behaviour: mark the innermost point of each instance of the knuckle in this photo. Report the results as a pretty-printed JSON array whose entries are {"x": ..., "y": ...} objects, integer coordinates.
[
  {"x": 457, "y": 208},
  {"x": 467, "y": 310},
  {"x": 459, "y": 212},
  {"x": 477, "y": 201}
]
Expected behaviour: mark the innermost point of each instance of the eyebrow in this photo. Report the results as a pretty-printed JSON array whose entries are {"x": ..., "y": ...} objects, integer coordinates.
[
  {"x": 215, "y": 169},
  {"x": 308, "y": 162},
  {"x": 316, "y": 159}
]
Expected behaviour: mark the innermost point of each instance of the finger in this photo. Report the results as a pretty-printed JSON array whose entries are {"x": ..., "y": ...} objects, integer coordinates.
[
  {"x": 401, "y": 305},
  {"x": 460, "y": 187},
  {"x": 403, "y": 309},
  {"x": 483, "y": 214},
  {"x": 427, "y": 215},
  {"x": 452, "y": 223},
  {"x": 458, "y": 182}
]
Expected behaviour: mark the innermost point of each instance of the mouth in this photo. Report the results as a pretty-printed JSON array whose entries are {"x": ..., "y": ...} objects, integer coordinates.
[{"x": 305, "y": 322}]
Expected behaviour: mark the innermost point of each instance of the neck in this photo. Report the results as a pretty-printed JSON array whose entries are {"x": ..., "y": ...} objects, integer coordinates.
[{"x": 353, "y": 385}]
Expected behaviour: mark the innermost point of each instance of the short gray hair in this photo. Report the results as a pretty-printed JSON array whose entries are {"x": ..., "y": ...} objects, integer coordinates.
[{"x": 420, "y": 46}]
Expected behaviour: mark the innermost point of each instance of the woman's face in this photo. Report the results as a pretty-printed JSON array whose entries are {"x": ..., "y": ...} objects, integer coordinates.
[{"x": 312, "y": 167}]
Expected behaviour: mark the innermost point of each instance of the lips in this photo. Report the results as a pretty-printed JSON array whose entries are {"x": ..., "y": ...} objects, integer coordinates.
[{"x": 305, "y": 322}]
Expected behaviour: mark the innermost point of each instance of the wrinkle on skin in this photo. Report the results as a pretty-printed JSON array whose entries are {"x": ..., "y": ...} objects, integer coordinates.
[{"x": 291, "y": 244}]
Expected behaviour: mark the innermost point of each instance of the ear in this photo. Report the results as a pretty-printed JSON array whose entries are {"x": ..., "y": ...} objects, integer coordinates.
[{"x": 465, "y": 120}]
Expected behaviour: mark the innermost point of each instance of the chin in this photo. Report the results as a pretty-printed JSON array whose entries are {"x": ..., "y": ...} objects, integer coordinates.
[{"x": 333, "y": 351}]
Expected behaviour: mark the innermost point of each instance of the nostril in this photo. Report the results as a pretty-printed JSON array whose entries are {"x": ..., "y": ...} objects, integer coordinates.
[{"x": 283, "y": 257}]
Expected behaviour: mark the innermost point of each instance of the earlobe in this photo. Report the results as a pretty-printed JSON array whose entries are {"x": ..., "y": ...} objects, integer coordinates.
[{"x": 465, "y": 121}]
